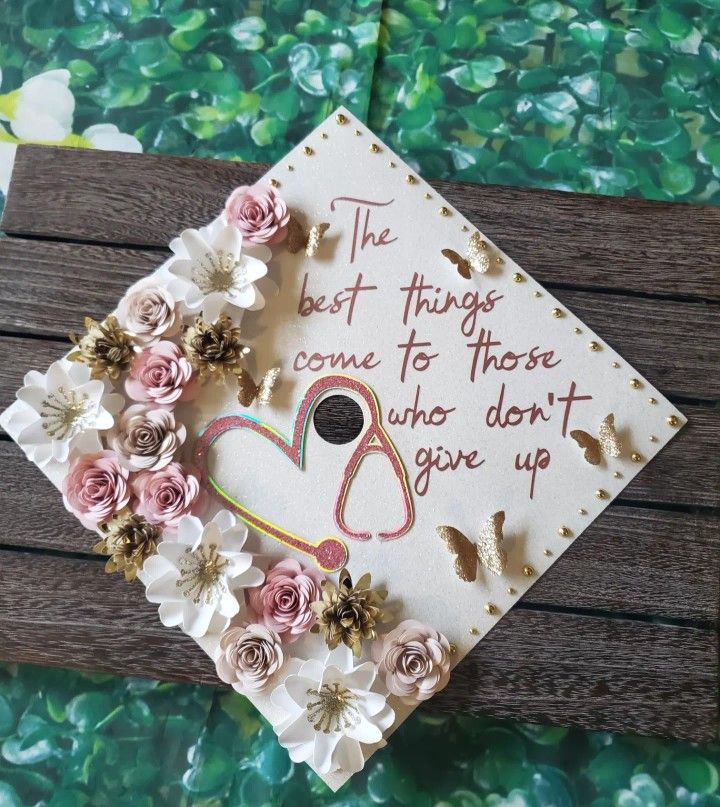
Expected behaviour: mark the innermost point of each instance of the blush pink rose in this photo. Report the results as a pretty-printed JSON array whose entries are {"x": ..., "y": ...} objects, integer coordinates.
[
  {"x": 414, "y": 660},
  {"x": 160, "y": 374},
  {"x": 282, "y": 602},
  {"x": 96, "y": 488},
  {"x": 259, "y": 213},
  {"x": 165, "y": 496}
]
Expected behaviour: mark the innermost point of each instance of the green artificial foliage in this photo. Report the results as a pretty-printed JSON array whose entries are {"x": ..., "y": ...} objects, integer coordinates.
[{"x": 71, "y": 739}]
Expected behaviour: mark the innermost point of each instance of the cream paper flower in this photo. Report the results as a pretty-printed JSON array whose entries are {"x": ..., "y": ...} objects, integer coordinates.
[
  {"x": 61, "y": 411},
  {"x": 197, "y": 571},
  {"x": 215, "y": 269},
  {"x": 330, "y": 711}
]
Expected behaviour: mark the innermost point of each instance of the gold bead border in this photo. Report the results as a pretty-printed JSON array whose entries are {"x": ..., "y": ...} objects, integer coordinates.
[{"x": 594, "y": 345}]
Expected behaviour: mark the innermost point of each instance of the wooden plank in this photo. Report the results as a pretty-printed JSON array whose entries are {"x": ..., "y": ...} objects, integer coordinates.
[
  {"x": 48, "y": 287},
  {"x": 630, "y": 561},
  {"x": 642, "y": 330},
  {"x": 615, "y": 675},
  {"x": 591, "y": 241},
  {"x": 684, "y": 473}
]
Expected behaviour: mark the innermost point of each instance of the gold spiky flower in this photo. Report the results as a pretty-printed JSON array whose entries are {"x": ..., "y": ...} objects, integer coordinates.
[
  {"x": 106, "y": 348},
  {"x": 348, "y": 613},
  {"x": 214, "y": 349},
  {"x": 129, "y": 540}
]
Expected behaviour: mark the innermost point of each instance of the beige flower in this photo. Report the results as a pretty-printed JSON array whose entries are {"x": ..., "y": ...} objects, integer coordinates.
[
  {"x": 147, "y": 438},
  {"x": 348, "y": 613},
  {"x": 414, "y": 660},
  {"x": 250, "y": 657},
  {"x": 148, "y": 311},
  {"x": 129, "y": 540}
]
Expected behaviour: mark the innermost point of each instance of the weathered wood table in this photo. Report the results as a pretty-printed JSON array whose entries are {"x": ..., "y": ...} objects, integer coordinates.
[{"x": 622, "y": 632}]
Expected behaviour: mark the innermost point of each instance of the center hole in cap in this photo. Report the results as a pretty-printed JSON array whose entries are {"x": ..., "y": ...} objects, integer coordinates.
[{"x": 338, "y": 419}]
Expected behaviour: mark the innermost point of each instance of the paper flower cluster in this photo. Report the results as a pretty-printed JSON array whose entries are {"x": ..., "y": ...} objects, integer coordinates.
[{"x": 109, "y": 417}]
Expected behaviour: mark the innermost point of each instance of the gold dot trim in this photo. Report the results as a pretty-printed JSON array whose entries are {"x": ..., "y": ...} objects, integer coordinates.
[
  {"x": 547, "y": 553},
  {"x": 274, "y": 183},
  {"x": 616, "y": 364},
  {"x": 652, "y": 401},
  {"x": 593, "y": 347},
  {"x": 636, "y": 457},
  {"x": 635, "y": 383},
  {"x": 601, "y": 494},
  {"x": 474, "y": 631},
  {"x": 340, "y": 118},
  {"x": 307, "y": 151},
  {"x": 557, "y": 313},
  {"x": 511, "y": 590},
  {"x": 564, "y": 532},
  {"x": 517, "y": 277},
  {"x": 672, "y": 420},
  {"x": 443, "y": 211},
  {"x": 374, "y": 148},
  {"x": 410, "y": 179},
  {"x": 490, "y": 608},
  {"x": 528, "y": 571}
]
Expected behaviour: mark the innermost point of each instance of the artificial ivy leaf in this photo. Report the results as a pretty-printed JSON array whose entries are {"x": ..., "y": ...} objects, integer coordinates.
[
  {"x": 545, "y": 12},
  {"x": 477, "y": 75},
  {"x": 554, "y": 107},
  {"x": 92, "y": 35}
]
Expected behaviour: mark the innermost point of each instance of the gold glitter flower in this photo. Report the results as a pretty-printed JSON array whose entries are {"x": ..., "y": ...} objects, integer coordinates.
[
  {"x": 129, "y": 540},
  {"x": 106, "y": 348},
  {"x": 214, "y": 349},
  {"x": 348, "y": 613}
]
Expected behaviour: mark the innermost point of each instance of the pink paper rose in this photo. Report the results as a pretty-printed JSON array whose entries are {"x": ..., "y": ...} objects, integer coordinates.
[
  {"x": 96, "y": 488},
  {"x": 165, "y": 496},
  {"x": 414, "y": 660},
  {"x": 160, "y": 374},
  {"x": 282, "y": 602},
  {"x": 259, "y": 213}
]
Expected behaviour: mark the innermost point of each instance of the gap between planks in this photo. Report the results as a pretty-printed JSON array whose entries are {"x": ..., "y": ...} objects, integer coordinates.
[
  {"x": 601, "y": 242},
  {"x": 613, "y": 675},
  {"x": 643, "y": 331},
  {"x": 639, "y": 560}
]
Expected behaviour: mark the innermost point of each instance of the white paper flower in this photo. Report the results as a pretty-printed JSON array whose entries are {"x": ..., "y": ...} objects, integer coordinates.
[
  {"x": 107, "y": 137},
  {"x": 42, "y": 109},
  {"x": 215, "y": 270},
  {"x": 63, "y": 410},
  {"x": 330, "y": 710},
  {"x": 197, "y": 571}
]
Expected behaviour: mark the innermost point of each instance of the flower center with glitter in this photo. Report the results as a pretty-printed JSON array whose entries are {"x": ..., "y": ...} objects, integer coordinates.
[
  {"x": 334, "y": 710},
  {"x": 64, "y": 413},
  {"x": 202, "y": 575},
  {"x": 218, "y": 271}
]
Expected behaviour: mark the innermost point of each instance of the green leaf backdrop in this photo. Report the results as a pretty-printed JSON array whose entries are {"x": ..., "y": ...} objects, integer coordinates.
[{"x": 621, "y": 98}]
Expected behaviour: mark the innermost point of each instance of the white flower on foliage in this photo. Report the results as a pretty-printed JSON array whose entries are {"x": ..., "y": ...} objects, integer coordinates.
[
  {"x": 41, "y": 111},
  {"x": 107, "y": 137}
]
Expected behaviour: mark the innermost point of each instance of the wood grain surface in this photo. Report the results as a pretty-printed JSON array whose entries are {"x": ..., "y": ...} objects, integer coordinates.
[
  {"x": 620, "y": 634},
  {"x": 573, "y": 239},
  {"x": 626, "y": 674}
]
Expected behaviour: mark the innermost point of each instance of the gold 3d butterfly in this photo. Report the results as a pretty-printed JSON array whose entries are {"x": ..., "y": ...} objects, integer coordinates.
[
  {"x": 487, "y": 551},
  {"x": 249, "y": 391},
  {"x": 605, "y": 444},
  {"x": 477, "y": 258},
  {"x": 298, "y": 239}
]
